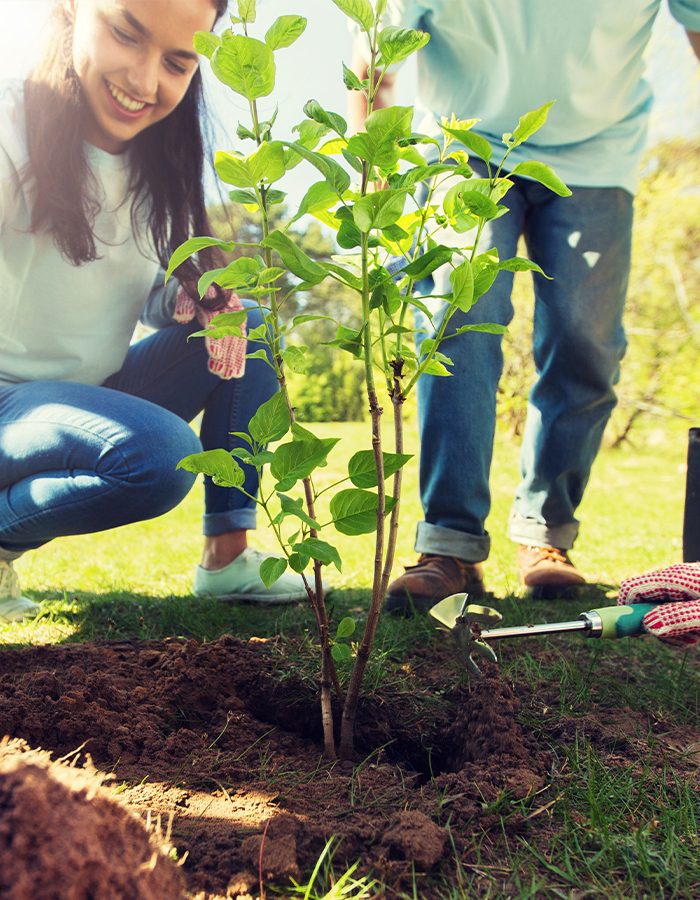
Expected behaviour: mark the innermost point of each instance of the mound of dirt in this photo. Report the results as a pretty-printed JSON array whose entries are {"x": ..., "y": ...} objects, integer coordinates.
[
  {"x": 214, "y": 735},
  {"x": 63, "y": 838}
]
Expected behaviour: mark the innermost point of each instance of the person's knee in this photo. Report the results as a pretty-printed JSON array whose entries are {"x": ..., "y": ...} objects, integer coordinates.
[{"x": 145, "y": 464}]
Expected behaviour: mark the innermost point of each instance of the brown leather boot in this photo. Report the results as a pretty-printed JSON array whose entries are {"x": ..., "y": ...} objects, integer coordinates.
[
  {"x": 548, "y": 573},
  {"x": 432, "y": 579}
]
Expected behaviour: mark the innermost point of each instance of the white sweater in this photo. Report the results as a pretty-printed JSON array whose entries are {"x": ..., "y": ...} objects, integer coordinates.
[{"x": 59, "y": 321}]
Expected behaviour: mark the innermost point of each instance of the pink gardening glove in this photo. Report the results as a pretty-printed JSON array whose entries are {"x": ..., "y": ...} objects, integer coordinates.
[
  {"x": 676, "y": 619},
  {"x": 226, "y": 354}
]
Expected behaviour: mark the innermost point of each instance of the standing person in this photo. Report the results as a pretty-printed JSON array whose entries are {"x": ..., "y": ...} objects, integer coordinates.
[
  {"x": 495, "y": 60},
  {"x": 101, "y": 166}
]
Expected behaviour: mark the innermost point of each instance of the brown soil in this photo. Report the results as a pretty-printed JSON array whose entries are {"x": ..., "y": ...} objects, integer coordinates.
[{"x": 223, "y": 740}]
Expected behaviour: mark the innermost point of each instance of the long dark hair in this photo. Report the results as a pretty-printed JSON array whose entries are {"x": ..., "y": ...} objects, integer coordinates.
[{"x": 167, "y": 163}]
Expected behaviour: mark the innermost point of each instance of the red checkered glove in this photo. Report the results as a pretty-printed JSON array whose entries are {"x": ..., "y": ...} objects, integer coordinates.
[
  {"x": 226, "y": 354},
  {"x": 676, "y": 590}
]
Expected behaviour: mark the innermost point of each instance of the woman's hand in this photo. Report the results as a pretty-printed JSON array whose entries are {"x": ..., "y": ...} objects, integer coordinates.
[
  {"x": 676, "y": 590},
  {"x": 226, "y": 354}
]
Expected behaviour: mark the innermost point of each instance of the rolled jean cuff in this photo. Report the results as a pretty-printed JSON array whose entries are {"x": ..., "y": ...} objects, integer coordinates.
[
  {"x": 10, "y": 555},
  {"x": 438, "y": 541},
  {"x": 214, "y": 524},
  {"x": 534, "y": 534}
]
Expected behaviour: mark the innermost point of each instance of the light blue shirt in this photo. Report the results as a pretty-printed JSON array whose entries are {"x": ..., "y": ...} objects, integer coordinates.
[{"x": 497, "y": 59}]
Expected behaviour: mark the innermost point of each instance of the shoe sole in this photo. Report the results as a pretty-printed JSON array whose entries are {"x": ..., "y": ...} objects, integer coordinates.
[
  {"x": 262, "y": 600},
  {"x": 554, "y": 591},
  {"x": 405, "y": 604}
]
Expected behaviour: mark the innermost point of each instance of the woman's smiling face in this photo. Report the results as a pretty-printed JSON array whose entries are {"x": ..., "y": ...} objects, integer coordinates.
[{"x": 134, "y": 60}]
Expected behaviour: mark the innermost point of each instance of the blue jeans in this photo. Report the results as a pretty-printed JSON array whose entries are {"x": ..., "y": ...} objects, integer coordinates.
[
  {"x": 79, "y": 458},
  {"x": 583, "y": 243}
]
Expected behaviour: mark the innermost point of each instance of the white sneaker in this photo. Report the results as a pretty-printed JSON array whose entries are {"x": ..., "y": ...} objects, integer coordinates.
[
  {"x": 13, "y": 606},
  {"x": 240, "y": 580}
]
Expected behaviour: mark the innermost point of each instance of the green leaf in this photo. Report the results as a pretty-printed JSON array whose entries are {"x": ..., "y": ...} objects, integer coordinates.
[
  {"x": 271, "y": 421},
  {"x": 292, "y": 507},
  {"x": 271, "y": 569},
  {"x": 320, "y": 550},
  {"x": 485, "y": 272},
  {"x": 487, "y": 327},
  {"x": 346, "y": 627},
  {"x": 194, "y": 245},
  {"x": 246, "y": 10},
  {"x": 206, "y": 43},
  {"x": 346, "y": 276},
  {"x": 274, "y": 197},
  {"x": 354, "y": 162},
  {"x": 478, "y": 204},
  {"x": 301, "y": 433},
  {"x": 267, "y": 276},
  {"x": 349, "y": 236},
  {"x": 531, "y": 122},
  {"x": 319, "y": 197},
  {"x": 310, "y": 132},
  {"x": 396, "y": 44},
  {"x": 247, "y": 197},
  {"x": 363, "y": 473},
  {"x": 295, "y": 357},
  {"x": 233, "y": 169},
  {"x": 380, "y": 209},
  {"x": 297, "y": 459},
  {"x": 264, "y": 458},
  {"x": 355, "y": 511},
  {"x": 462, "y": 281},
  {"x": 219, "y": 464},
  {"x": 384, "y": 128},
  {"x": 284, "y": 31},
  {"x": 298, "y": 562},
  {"x": 242, "y": 272},
  {"x": 224, "y": 325},
  {"x": 341, "y": 652},
  {"x": 295, "y": 260},
  {"x": 520, "y": 264},
  {"x": 542, "y": 173},
  {"x": 245, "y": 134},
  {"x": 359, "y": 11},
  {"x": 258, "y": 354},
  {"x": 474, "y": 142},
  {"x": 315, "y": 111},
  {"x": 245, "y": 64},
  {"x": 300, "y": 320},
  {"x": 336, "y": 177},
  {"x": 350, "y": 80},
  {"x": 267, "y": 163},
  {"x": 423, "y": 173},
  {"x": 347, "y": 339},
  {"x": 435, "y": 367},
  {"x": 428, "y": 262}
]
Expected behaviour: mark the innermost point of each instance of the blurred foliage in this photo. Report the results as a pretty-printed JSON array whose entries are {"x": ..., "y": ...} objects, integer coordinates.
[{"x": 661, "y": 370}]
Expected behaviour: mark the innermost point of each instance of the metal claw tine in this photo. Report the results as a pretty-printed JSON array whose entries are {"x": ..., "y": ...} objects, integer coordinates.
[
  {"x": 482, "y": 615},
  {"x": 484, "y": 651}
]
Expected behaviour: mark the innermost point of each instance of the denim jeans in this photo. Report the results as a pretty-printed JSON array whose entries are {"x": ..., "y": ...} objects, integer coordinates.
[
  {"x": 79, "y": 458},
  {"x": 583, "y": 243}
]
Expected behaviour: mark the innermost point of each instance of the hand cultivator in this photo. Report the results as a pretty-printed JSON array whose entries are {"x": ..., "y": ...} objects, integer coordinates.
[{"x": 466, "y": 621}]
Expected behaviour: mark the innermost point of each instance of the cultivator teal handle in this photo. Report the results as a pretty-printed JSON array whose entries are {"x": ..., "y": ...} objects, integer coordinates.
[
  {"x": 619, "y": 621},
  {"x": 466, "y": 622}
]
